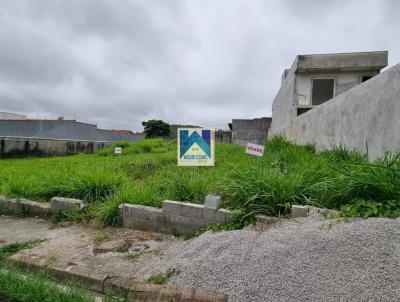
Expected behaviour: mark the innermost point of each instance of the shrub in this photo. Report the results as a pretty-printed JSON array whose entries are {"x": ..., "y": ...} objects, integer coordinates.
[{"x": 368, "y": 208}]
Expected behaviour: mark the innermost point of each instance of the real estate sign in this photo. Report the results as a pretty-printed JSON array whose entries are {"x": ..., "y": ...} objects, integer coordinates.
[
  {"x": 118, "y": 150},
  {"x": 196, "y": 147},
  {"x": 253, "y": 149}
]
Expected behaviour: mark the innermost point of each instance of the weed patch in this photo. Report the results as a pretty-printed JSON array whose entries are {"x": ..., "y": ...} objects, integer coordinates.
[
  {"x": 14, "y": 248},
  {"x": 163, "y": 278},
  {"x": 132, "y": 257}
]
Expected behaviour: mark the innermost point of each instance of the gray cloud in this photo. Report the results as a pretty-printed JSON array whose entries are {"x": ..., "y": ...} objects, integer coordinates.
[{"x": 116, "y": 63}]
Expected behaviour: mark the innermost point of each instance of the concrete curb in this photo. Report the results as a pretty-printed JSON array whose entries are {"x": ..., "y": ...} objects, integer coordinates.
[
  {"x": 29, "y": 208},
  {"x": 117, "y": 285},
  {"x": 24, "y": 207}
]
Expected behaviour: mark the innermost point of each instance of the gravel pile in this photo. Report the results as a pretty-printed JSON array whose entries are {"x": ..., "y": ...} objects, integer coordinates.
[{"x": 310, "y": 259}]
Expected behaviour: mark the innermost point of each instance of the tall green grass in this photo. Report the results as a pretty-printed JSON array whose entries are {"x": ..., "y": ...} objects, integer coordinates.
[
  {"x": 143, "y": 146},
  {"x": 336, "y": 178},
  {"x": 146, "y": 173}
]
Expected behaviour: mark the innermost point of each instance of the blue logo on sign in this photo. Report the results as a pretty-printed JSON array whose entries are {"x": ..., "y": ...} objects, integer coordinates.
[{"x": 203, "y": 141}]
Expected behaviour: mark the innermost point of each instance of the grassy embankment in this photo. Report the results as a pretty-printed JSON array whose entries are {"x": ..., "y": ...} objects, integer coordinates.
[{"x": 147, "y": 174}]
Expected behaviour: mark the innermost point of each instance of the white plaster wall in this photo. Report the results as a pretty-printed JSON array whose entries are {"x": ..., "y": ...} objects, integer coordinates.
[
  {"x": 282, "y": 107},
  {"x": 366, "y": 115}
]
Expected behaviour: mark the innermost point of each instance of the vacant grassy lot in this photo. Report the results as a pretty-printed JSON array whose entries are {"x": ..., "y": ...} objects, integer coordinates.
[{"x": 147, "y": 174}]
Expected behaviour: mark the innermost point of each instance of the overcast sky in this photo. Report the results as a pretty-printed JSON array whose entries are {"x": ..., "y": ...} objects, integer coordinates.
[{"x": 117, "y": 63}]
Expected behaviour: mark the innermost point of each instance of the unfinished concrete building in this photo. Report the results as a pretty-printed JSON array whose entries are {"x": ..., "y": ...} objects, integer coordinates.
[
  {"x": 340, "y": 99},
  {"x": 314, "y": 79}
]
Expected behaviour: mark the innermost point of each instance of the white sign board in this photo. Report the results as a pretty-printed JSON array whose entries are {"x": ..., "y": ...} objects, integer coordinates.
[
  {"x": 254, "y": 149},
  {"x": 118, "y": 150}
]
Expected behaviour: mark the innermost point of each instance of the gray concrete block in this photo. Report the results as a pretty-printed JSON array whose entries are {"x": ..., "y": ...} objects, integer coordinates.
[
  {"x": 299, "y": 211},
  {"x": 172, "y": 207},
  {"x": 34, "y": 208},
  {"x": 165, "y": 219},
  {"x": 187, "y": 221},
  {"x": 138, "y": 224},
  {"x": 192, "y": 210},
  {"x": 212, "y": 201},
  {"x": 8, "y": 206},
  {"x": 223, "y": 216},
  {"x": 145, "y": 213},
  {"x": 66, "y": 204},
  {"x": 209, "y": 215},
  {"x": 24, "y": 207}
]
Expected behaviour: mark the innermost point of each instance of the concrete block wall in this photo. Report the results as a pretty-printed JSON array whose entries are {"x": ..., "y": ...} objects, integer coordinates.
[
  {"x": 222, "y": 136},
  {"x": 63, "y": 130},
  {"x": 21, "y": 146},
  {"x": 178, "y": 218},
  {"x": 250, "y": 131}
]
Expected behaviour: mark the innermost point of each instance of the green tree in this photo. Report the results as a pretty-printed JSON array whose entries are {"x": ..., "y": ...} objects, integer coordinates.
[{"x": 156, "y": 128}]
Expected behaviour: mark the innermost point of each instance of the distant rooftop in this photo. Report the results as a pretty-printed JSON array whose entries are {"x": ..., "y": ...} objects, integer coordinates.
[
  {"x": 119, "y": 131},
  {"x": 11, "y": 116}
]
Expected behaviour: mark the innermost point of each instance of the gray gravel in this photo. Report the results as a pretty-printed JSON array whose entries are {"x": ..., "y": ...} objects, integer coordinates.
[{"x": 302, "y": 260}]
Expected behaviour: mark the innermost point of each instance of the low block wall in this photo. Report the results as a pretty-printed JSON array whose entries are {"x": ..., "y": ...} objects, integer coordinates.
[
  {"x": 24, "y": 207},
  {"x": 178, "y": 218},
  {"x": 250, "y": 131},
  {"x": 21, "y": 146}
]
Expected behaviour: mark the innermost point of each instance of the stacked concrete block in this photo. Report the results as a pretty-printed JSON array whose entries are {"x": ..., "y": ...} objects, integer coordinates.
[
  {"x": 183, "y": 217},
  {"x": 223, "y": 216},
  {"x": 142, "y": 217},
  {"x": 66, "y": 204},
  {"x": 175, "y": 217},
  {"x": 171, "y": 207},
  {"x": 210, "y": 215},
  {"x": 212, "y": 201}
]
